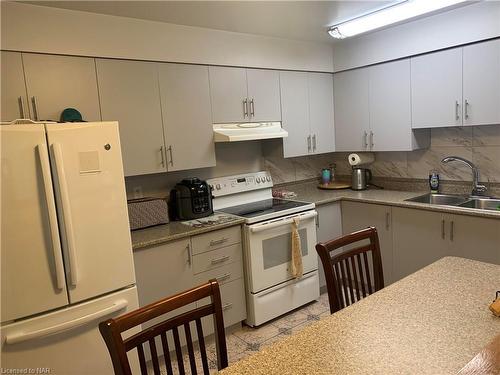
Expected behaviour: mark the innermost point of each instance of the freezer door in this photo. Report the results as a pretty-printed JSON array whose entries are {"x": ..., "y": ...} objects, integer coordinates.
[
  {"x": 32, "y": 279},
  {"x": 67, "y": 341},
  {"x": 92, "y": 207}
]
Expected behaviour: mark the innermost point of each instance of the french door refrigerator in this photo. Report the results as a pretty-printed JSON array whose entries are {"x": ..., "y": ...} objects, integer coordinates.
[{"x": 66, "y": 254}]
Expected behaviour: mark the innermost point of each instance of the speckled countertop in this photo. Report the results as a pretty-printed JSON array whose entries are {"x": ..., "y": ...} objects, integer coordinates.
[
  {"x": 431, "y": 322},
  {"x": 309, "y": 192},
  {"x": 174, "y": 231}
]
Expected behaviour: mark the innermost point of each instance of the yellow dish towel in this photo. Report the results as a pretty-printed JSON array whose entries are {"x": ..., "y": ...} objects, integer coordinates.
[{"x": 297, "y": 269}]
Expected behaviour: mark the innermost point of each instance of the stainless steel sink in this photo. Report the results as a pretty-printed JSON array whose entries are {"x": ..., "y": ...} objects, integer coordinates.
[
  {"x": 482, "y": 204},
  {"x": 440, "y": 199}
]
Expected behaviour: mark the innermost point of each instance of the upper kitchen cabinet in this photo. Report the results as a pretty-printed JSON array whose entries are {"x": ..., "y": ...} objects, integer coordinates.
[
  {"x": 14, "y": 98},
  {"x": 244, "y": 95},
  {"x": 436, "y": 89},
  {"x": 390, "y": 109},
  {"x": 55, "y": 83},
  {"x": 481, "y": 83},
  {"x": 307, "y": 112},
  {"x": 187, "y": 116},
  {"x": 129, "y": 93},
  {"x": 352, "y": 117}
]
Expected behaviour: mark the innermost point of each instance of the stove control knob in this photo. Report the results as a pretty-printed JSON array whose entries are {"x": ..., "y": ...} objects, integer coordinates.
[
  {"x": 217, "y": 186},
  {"x": 258, "y": 180}
]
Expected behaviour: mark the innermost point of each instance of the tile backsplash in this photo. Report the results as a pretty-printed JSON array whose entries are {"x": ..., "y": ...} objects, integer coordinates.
[{"x": 480, "y": 144}]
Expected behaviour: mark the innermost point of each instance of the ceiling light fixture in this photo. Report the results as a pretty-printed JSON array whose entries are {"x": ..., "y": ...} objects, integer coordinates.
[{"x": 401, "y": 11}]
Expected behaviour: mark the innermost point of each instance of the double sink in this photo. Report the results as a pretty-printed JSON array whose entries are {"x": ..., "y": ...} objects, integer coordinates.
[{"x": 481, "y": 203}]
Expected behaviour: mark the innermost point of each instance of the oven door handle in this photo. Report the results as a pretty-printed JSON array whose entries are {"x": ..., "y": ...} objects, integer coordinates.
[{"x": 278, "y": 223}]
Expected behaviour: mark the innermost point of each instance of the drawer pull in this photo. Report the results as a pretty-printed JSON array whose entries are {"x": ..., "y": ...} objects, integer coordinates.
[
  {"x": 227, "y": 306},
  {"x": 220, "y": 260},
  {"x": 218, "y": 242},
  {"x": 223, "y": 277}
]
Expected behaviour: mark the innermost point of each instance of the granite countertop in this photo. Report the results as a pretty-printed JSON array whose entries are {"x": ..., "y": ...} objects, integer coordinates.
[
  {"x": 309, "y": 192},
  {"x": 431, "y": 322},
  {"x": 175, "y": 230}
]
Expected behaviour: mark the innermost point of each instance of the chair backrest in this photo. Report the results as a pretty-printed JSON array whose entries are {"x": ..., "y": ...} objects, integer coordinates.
[
  {"x": 112, "y": 330},
  {"x": 348, "y": 275}
]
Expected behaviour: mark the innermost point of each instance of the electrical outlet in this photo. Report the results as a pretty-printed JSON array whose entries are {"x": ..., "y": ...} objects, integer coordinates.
[{"x": 138, "y": 192}]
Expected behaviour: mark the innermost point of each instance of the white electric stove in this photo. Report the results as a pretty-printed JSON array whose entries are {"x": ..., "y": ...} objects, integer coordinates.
[{"x": 271, "y": 289}]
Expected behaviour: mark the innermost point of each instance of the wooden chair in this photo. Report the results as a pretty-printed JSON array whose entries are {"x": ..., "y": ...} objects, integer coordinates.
[
  {"x": 111, "y": 331},
  {"x": 348, "y": 277}
]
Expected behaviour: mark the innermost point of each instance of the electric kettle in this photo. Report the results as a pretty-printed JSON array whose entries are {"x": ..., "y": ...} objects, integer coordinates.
[{"x": 361, "y": 177}]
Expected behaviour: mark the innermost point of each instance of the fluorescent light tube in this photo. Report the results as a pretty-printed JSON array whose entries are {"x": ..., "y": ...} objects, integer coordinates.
[{"x": 387, "y": 16}]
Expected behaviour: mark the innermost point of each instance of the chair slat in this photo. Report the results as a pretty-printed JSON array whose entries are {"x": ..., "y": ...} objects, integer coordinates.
[
  {"x": 355, "y": 277},
  {"x": 142, "y": 360},
  {"x": 201, "y": 344},
  {"x": 189, "y": 342},
  {"x": 338, "y": 293},
  {"x": 349, "y": 280},
  {"x": 178, "y": 351},
  {"x": 154, "y": 357},
  {"x": 166, "y": 353},
  {"x": 361, "y": 275},
  {"x": 368, "y": 276},
  {"x": 344, "y": 284}
]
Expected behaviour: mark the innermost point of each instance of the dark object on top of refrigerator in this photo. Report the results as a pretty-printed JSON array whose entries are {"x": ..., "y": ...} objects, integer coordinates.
[{"x": 190, "y": 199}]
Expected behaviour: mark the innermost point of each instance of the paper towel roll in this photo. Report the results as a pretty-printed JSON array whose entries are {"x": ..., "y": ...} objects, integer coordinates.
[{"x": 359, "y": 159}]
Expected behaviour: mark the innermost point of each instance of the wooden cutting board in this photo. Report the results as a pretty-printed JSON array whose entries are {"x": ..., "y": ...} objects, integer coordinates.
[{"x": 334, "y": 185}]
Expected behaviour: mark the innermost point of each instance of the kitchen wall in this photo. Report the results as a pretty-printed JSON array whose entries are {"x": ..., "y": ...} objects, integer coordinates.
[
  {"x": 32, "y": 28},
  {"x": 466, "y": 24},
  {"x": 480, "y": 144}
]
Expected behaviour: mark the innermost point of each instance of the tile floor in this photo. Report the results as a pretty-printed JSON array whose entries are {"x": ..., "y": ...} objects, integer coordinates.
[{"x": 244, "y": 341}]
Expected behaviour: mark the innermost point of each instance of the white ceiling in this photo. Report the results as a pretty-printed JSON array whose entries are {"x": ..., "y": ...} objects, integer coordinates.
[{"x": 301, "y": 20}]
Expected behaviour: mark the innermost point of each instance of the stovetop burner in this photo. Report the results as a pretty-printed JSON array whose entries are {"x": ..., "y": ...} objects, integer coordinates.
[{"x": 264, "y": 207}]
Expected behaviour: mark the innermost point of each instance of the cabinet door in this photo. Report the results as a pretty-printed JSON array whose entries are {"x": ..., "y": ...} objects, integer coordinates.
[
  {"x": 321, "y": 112},
  {"x": 481, "y": 76},
  {"x": 436, "y": 89},
  {"x": 187, "y": 116},
  {"x": 390, "y": 106},
  {"x": 419, "y": 239},
  {"x": 55, "y": 83},
  {"x": 328, "y": 227},
  {"x": 356, "y": 216},
  {"x": 228, "y": 92},
  {"x": 264, "y": 95},
  {"x": 14, "y": 98},
  {"x": 474, "y": 238},
  {"x": 350, "y": 94},
  {"x": 295, "y": 113},
  {"x": 129, "y": 94}
]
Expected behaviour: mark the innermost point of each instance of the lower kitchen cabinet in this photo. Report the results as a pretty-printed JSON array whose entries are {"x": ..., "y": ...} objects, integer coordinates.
[
  {"x": 357, "y": 216},
  {"x": 328, "y": 227}
]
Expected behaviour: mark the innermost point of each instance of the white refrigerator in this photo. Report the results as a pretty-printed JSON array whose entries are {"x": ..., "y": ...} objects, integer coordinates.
[{"x": 66, "y": 254}]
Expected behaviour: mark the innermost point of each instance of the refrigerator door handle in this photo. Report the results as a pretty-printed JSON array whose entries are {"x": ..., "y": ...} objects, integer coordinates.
[
  {"x": 66, "y": 212},
  {"x": 70, "y": 324},
  {"x": 51, "y": 208}
]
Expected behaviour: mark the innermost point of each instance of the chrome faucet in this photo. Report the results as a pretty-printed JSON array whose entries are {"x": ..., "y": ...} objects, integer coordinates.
[{"x": 477, "y": 189}]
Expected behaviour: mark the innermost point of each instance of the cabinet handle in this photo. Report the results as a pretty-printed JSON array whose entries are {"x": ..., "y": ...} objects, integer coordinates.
[
  {"x": 223, "y": 277},
  {"x": 442, "y": 229},
  {"x": 227, "y": 306},
  {"x": 171, "y": 155},
  {"x": 452, "y": 230},
  {"x": 457, "y": 117},
  {"x": 371, "y": 140},
  {"x": 245, "y": 108},
  {"x": 218, "y": 242},
  {"x": 308, "y": 143},
  {"x": 220, "y": 260},
  {"x": 21, "y": 106},
  {"x": 387, "y": 220},
  {"x": 190, "y": 254},
  {"x": 466, "y": 106},
  {"x": 317, "y": 221},
  {"x": 35, "y": 108},
  {"x": 162, "y": 156},
  {"x": 252, "y": 108},
  {"x": 314, "y": 142},
  {"x": 365, "y": 139}
]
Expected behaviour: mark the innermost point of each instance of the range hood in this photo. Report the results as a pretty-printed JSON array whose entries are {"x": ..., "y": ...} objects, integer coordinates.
[{"x": 248, "y": 131}]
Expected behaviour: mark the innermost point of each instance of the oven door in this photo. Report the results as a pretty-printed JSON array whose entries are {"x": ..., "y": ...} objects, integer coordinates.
[{"x": 269, "y": 250}]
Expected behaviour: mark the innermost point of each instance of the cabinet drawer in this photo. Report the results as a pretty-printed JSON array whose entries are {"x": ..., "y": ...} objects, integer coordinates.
[
  {"x": 216, "y": 258},
  {"x": 214, "y": 240},
  {"x": 223, "y": 274}
]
